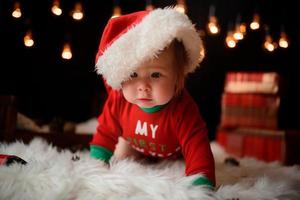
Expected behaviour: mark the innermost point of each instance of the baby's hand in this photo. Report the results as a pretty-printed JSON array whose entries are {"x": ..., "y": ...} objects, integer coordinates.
[{"x": 104, "y": 164}]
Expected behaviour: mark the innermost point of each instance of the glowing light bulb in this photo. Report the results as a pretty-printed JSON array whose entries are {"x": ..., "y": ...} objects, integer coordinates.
[
  {"x": 78, "y": 12},
  {"x": 269, "y": 45},
  {"x": 243, "y": 28},
  {"x": 116, "y": 12},
  {"x": 56, "y": 10},
  {"x": 254, "y": 25},
  {"x": 180, "y": 8},
  {"x": 149, "y": 7},
  {"x": 283, "y": 41},
  {"x": 238, "y": 35},
  {"x": 67, "y": 52},
  {"x": 28, "y": 39},
  {"x": 17, "y": 13},
  {"x": 230, "y": 41},
  {"x": 213, "y": 27},
  {"x": 240, "y": 31}
]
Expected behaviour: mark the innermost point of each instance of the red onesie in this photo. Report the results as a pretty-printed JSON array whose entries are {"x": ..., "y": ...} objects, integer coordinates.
[{"x": 175, "y": 128}]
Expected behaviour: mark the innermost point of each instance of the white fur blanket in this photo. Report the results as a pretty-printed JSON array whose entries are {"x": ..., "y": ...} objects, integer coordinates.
[{"x": 51, "y": 174}]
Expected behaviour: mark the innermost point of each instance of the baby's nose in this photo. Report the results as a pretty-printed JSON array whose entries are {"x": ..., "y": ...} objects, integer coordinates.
[{"x": 144, "y": 86}]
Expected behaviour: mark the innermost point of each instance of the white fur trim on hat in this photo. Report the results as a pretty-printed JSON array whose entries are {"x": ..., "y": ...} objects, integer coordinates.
[{"x": 145, "y": 40}]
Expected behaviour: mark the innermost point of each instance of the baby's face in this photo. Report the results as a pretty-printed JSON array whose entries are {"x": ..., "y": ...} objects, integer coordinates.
[{"x": 153, "y": 83}]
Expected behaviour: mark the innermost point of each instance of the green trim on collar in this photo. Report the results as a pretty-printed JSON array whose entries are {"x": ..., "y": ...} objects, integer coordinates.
[
  {"x": 153, "y": 109},
  {"x": 203, "y": 181},
  {"x": 101, "y": 153}
]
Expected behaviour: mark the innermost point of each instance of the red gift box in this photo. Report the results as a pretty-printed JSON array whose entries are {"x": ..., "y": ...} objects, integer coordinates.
[
  {"x": 259, "y": 77},
  {"x": 243, "y": 117},
  {"x": 252, "y": 82},
  {"x": 250, "y": 100},
  {"x": 263, "y": 144}
]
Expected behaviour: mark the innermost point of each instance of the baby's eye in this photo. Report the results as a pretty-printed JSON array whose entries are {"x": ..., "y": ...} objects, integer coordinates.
[
  {"x": 156, "y": 75},
  {"x": 133, "y": 75}
]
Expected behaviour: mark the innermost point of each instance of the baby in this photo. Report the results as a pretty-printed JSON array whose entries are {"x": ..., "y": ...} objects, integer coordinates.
[{"x": 144, "y": 58}]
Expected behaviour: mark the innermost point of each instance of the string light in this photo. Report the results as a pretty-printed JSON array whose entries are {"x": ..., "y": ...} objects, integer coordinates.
[
  {"x": 243, "y": 28},
  {"x": 232, "y": 36},
  {"x": 230, "y": 41},
  {"x": 283, "y": 40},
  {"x": 149, "y": 5},
  {"x": 56, "y": 10},
  {"x": 67, "y": 52},
  {"x": 213, "y": 26},
  {"x": 269, "y": 45},
  {"x": 77, "y": 13},
  {"x": 28, "y": 39},
  {"x": 181, "y": 6},
  {"x": 116, "y": 12},
  {"x": 17, "y": 13},
  {"x": 255, "y": 24},
  {"x": 240, "y": 29}
]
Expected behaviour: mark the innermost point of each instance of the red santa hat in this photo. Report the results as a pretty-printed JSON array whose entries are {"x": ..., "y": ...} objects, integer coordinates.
[{"x": 130, "y": 40}]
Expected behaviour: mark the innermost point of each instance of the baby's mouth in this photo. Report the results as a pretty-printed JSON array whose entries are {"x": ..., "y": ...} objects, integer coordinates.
[{"x": 144, "y": 99}]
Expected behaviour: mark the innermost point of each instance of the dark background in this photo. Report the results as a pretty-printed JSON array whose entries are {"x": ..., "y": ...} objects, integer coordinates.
[{"x": 48, "y": 87}]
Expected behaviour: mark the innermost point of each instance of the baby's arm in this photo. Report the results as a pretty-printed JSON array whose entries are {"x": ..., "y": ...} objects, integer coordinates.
[
  {"x": 195, "y": 145},
  {"x": 199, "y": 159},
  {"x": 108, "y": 130}
]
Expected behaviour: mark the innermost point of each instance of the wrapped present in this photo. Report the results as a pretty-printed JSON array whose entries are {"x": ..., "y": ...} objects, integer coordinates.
[
  {"x": 251, "y": 121},
  {"x": 252, "y": 82},
  {"x": 250, "y": 100},
  {"x": 232, "y": 117},
  {"x": 259, "y": 77},
  {"x": 263, "y": 144},
  {"x": 252, "y": 109}
]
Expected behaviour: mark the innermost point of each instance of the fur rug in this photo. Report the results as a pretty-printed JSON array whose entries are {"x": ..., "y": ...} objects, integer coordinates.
[{"x": 53, "y": 174}]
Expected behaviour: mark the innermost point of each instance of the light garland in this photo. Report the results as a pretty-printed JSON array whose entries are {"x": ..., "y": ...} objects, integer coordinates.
[{"x": 213, "y": 28}]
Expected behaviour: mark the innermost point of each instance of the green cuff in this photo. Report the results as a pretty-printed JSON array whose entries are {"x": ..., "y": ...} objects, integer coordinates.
[
  {"x": 101, "y": 153},
  {"x": 203, "y": 181}
]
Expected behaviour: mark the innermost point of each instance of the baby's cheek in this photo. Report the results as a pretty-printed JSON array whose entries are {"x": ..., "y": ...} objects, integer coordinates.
[{"x": 165, "y": 96}]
